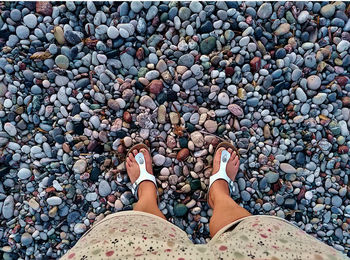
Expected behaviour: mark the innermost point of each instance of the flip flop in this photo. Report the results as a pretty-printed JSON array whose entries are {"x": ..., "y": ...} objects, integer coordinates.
[
  {"x": 221, "y": 174},
  {"x": 144, "y": 175}
]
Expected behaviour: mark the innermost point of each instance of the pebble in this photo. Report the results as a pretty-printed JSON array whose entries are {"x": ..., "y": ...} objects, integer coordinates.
[
  {"x": 104, "y": 189},
  {"x": 328, "y": 10},
  {"x": 22, "y": 32},
  {"x": 26, "y": 239},
  {"x": 10, "y": 129},
  {"x": 313, "y": 82},
  {"x": 287, "y": 168},
  {"x": 159, "y": 159},
  {"x": 30, "y": 21},
  {"x": 24, "y": 173},
  {"x": 265, "y": 11},
  {"x": 8, "y": 207},
  {"x": 53, "y": 201}
]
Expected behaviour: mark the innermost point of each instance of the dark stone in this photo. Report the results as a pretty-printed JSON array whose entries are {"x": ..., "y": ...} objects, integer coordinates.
[
  {"x": 3, "y": 171},
  {"x": 290, "y": 203},
  {"x": 208, "y": 45},
  {"x": 95, "y": 172},
  {"x": 300, "y": 158},
  {"x": 72, "y": 37},
  {"x": 279, "y": 87},
  {"x": 258, "y": 32},
  {"x": 73, "y": 53},
  {"x": 304, "y": 37},
  {"x": 73, "y": 216},
  {"x": 280, "y": 53},
  {"x": 195, "y": 184},
  {"x": 180, "y": 210},
  {"x": 183, "y": 142},
  {"x": 332, "y": 97},
  {"x": 171, "y": 96},
  {"x": 120, "y": 134},
  {"x": 161, "y": 98},
  {"x": 190, "y": 128},
  {"x": 199, "y": 100},
  {"x": 206, "y": 27},
  {"x": 79, "y": 128},
  {"x": 76, "y": 109},
  {"x": 112, "y": 54},
  {"x": 59, "y": 139},
  {"x": 82, "y": 83}
]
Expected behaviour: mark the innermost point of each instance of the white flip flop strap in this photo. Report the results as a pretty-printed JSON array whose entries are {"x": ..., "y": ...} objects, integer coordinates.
[
  {"x": 221, "y": 174},
  {"x": 144, "y": 175}
]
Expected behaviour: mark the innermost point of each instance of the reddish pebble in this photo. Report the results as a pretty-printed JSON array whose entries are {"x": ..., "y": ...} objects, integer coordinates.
[
  {"x": 44, "y": 8},
  {"x": 120, "y": 149},
  {"x": 183, "y": 154},
  {"x": 235, "y": 109},
  {"x": 229, "y": 71},
  {"x": 346, "y": 101},
  {"x": 140, "y": 53},
  {"x": 255, "y": 64},
  {"x": 342, "y": 80},
  {"x": 343, "y": 149},
  {"x": 155, "y": 87},
  {"x": 111, "y": 198},
  {"x": 127, "y": 117}
]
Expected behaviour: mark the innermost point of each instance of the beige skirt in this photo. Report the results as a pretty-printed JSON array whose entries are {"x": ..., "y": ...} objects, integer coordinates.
[{"x": 139, "y": 235}]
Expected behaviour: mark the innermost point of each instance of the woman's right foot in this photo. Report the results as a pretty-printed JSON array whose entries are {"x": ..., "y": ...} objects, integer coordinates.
[
  {"x": 133, "y": 170},
  {"x": 221, "y": 186}
]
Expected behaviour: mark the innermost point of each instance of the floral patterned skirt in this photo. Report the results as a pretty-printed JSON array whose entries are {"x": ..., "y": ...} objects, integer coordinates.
[{"x": 139, "y": 235}]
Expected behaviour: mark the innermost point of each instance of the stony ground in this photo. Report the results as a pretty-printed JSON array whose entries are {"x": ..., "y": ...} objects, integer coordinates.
[{"x": 81, "y": 82}]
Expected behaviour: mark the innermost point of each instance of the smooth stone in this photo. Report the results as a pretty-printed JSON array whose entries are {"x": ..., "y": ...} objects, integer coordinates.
[
  {"x": 10, "y": 129},
  {"x": 22, "y": 32},
  {"x": 8, "y": 207},
  {"x": 159, "y": 159},
  {"x": 26, "y": 239},
  {"x": 62, "y": 62},
  {"x": 287, "y": 168},
  {"x": 272, "y": 177},
  {"x": 104, "y": 189},
  {"x": 112, "y": 32},
  {"x": 24, "y": 173},
  {"x": 208, "y": 45},
  {"x": 313, "y": 82},
  {"x": 319, "y": 98},
  {"x": 180, "y": 210},
  {"x": 54, "y": 201},
  {"x": 265, "y": 11},
  {"x": 30, "y": 21},
  {"x": 80, "y": 166},
  {"x": 147, "y": 101},
  {"x": 300, "y": 94},
  {"x": 328, "y": 10}
]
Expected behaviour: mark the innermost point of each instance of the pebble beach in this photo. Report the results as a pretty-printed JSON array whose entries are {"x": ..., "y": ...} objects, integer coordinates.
[{"x": 81, "y": 82}]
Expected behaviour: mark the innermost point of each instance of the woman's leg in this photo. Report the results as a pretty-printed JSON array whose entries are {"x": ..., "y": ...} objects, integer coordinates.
[
  {"x": 225, "y": 209},
  {"x": 147, "y": 191}
]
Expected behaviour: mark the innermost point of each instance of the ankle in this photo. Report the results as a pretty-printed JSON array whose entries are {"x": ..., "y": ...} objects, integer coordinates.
[
  {"x": 147, "y": 191},
  {"x": 219, "y": 191}
]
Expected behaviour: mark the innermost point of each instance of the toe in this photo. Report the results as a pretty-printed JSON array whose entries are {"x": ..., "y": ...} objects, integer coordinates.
[
  {"x": 135, "y": 152},
  {"x": 131, "y": 157},
  {"x": 148, "y": 159},
  {"x": 220, "y": 150},
  {"x": 236, "y": 160},
  {"x": 230, "y": 150}
]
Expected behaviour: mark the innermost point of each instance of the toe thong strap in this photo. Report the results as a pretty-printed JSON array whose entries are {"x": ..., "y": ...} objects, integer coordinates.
[
  {"x": 221, "y": 174},
  {"x": 144, "y": 175}
]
